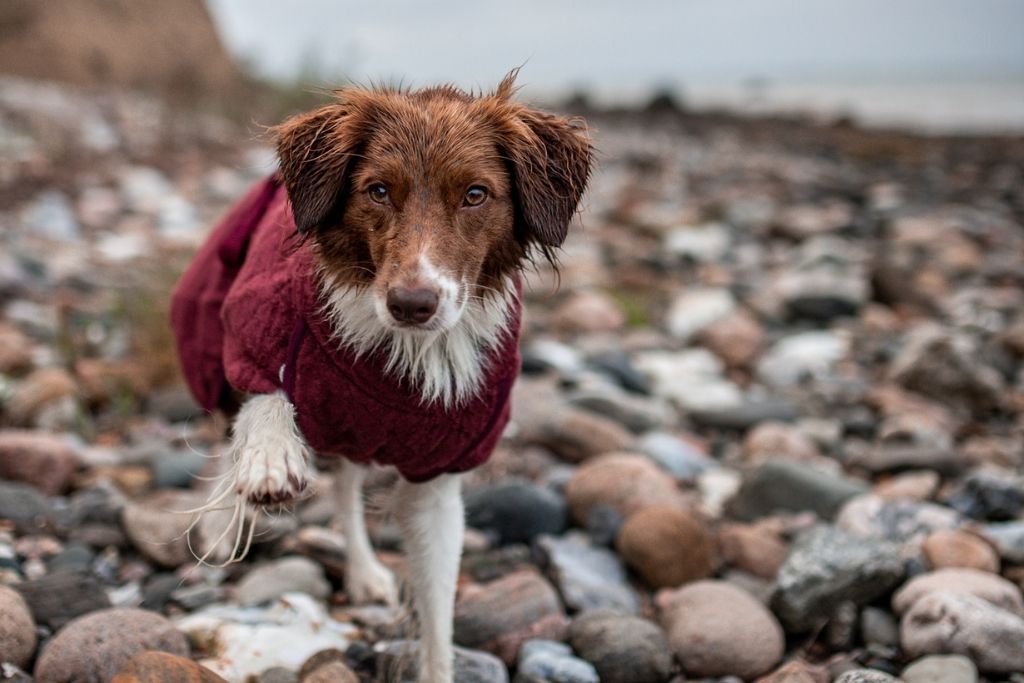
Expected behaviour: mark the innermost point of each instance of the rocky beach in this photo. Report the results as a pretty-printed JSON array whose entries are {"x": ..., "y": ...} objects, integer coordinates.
[{"x": 769, "y": 425}]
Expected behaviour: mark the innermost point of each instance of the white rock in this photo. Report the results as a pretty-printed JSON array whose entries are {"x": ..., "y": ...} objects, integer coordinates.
[
  {"x": 707, "y": 242},
  {"x": 807, "y": 354},
  {"x": 691, "y": 378},
  {"x": 249, "y": 640},
  {"x": 696, "y": 309}
]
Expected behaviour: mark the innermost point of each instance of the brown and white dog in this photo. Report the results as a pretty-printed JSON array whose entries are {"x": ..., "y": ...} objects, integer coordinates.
[{"x": 418, "y": 210}]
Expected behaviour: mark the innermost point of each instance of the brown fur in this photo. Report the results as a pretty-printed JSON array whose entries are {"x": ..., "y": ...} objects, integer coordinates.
[{"x": 428, "y": 147}]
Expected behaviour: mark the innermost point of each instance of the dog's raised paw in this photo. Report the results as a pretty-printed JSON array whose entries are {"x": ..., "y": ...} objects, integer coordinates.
[{"x": 272, "y": 470}]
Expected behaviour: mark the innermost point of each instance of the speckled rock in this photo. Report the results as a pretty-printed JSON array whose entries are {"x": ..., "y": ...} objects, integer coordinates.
[
  {"x": 548, "y": 661},
  {"x": 161, "y": 667},
  {"x": 622, "y": 648},
  {"x": 93, "y": 648},
  {"x": 989, "y": 587},
  {"x": 587, "y": 576},
  {"x": 941, "y": 669},
  {"x": 667, "y": 546},
  {"x": 624, "y": 482},
  {"x": 17, "y": 628},
  {"x": 827, "y": 567},
  {"x": 948, "y": 623},
  {"x": 716, "y": 629},
  {"x": 866, "y": 676},
  {"x": 286, "y": 575}
]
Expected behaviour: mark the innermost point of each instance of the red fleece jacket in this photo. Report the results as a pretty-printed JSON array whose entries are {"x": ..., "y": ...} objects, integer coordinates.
[{"x": 248, "y": 306}]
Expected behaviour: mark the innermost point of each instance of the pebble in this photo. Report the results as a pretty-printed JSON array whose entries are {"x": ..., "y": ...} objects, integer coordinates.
[
  {"x": 780, "y": 485},
  {"x": 588, "y": 311},
  {"x": 879, "y": 627},
  {"x": 94, "y": 647},
  {"x": 1008, "y": 538},
  {"x": 941, "y": 669},
  {"x": 797, "y": 671},
  {"x": 516, "y": 511},
  {"x": 866, "y": 676},
  {"x": 178, "y": 469},
  {"x": 989, "y": 496},
  {"x": 622, "y": 648},
  {"x": 692, "y": 379},
  {"x": 578, "y": 435},
  {"x": 773, "y": 440},
  {"x": 15, "y": 350},
  {"x": 471, "y": 666},
  {"x": 25, "y": 507},
  {"x": 916, "y": 485},
  {"x": 636, "y": 413},
  {"x": 667, "y": 546},
  {"x": 17, "y": 629},
  {"x": 500, "y": 616},
  {"x": 903, "y": 521},
  {"x": 161, "y": 667},
  {"x": 677, "y": 456},
  {"x": 245, "y": 641},
  {"x": 960, "y": 581},
  {"x": 736, "y": 339},
  {"x": 696, "y": 309},
  {"x": 716, "y": 629},
  {"x": 59, "y": 597},
  {"x": 956, "y": 548},
  {"x": 157, "y": 527},
  {"x": 40, "y": 459},
  {"x": 826, "y": 567},
  {"x": 755, "y": 548},
  {"x": 587, "y": 576},
  {"x": 624, "y": 482},
  {"x": 45, "y": 399},
  {"x": 547, "y": 661},
  {"x": 950, "y": 623},
  {"x": 802, "y": 357},
  {"x": 268, "y": 582}
]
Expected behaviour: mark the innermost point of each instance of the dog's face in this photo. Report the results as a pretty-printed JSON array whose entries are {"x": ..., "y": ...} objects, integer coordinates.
[{"x": 431, "y": 197}]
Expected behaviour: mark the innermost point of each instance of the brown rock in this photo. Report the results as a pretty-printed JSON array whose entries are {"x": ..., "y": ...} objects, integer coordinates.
[
  {"x": 15, "y": 349},
  {"x": 161, "y": 667},
  {"x": 93, "y": 648},
  {"x": 625, "y": 482},
  {"x": 587, "y": 311},
  {"x": 917, "y": 485},
  {"x": 320, "y": 659},
  {"x": 41, "y": 388},
  {"x": 956, "y": 548},
  {"x": 101, "y": 381},
  {"x": 500, "y": 616},
  {"x": 771, "y": 440},
  {"x": 332, "y": 672},
  {"x": 577, "y": 435},
  {"x": 157, "y": 527},
  {"x": 41, "y": 459},
  {"x": 716, "y": 629},
  {"x": 736, "y": 339},
  {"x": 17, "y": 629},
  {"x": 667, "y": 546},
  {"x": 957, "y": 581},
  {"x": 755, "y": 548}
]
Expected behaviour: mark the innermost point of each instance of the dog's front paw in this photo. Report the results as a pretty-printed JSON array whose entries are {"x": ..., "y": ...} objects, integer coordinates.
[
  {"x": 271, "y": 460},
  {"x": 370, "y": 581}
]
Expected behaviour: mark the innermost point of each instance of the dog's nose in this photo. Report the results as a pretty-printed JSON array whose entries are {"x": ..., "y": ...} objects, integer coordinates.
[{"x": 412, "y": 305}]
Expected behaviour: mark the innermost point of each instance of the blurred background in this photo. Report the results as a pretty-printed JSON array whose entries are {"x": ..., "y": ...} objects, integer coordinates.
[{"x": 770, "y": 424}]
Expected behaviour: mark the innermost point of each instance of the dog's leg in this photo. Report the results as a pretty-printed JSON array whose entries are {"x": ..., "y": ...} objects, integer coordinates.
[
  {"x": 431, "y": 519},
  {"x": 271, "y": 459},
  {"x": 366, "y": 579}
]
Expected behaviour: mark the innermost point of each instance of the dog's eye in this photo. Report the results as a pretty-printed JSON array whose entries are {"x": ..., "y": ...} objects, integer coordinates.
[
  {"x": 378, "y": 193},
  {"x": 475, "y": 196}
]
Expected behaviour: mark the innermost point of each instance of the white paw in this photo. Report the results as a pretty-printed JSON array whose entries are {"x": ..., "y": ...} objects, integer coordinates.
[
  {"x": 370, "y": 581},
  {"x": 271, "y": 460}
]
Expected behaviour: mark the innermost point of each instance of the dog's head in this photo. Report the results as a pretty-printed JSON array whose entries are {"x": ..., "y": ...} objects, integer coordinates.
[{"x": 431, "y": 197}]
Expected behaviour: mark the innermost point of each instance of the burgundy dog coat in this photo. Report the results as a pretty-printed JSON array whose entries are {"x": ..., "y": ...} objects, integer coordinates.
[{"x": 248, "y": 306}]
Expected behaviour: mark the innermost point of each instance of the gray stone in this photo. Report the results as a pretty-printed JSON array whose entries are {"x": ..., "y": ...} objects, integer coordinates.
[
  {"x": 397, "y": 663},
  {"x": 588, "y": 577},
  {"x": 287, "y": 575},
  {"x": 637, "y": 413},
  {"x": 941, "y": 669},
  {"x": 879, "y": 627},
  {"x": 902, "y": 521},
  {"x": 26, "y": 507},
  {"x": 57, "y": 598},
  {"x": 1008, "y": 538},
  {"x": 177, "y": 469},
  {"x": 622, "y": 648},
  {"x": 516, "y": 511},
  {"x": 946, "y": 623},
  {"x": 749, "y": 413},
  {"x": 828, "y": 566},
  {"x": 785, "y": 486},
  {"x": 546, "y": 661},
  {"x": 960, "y": 581},
  {"x": 989, "y": 496},
  {"x": 680, "y": 459},
  {"x": 800, "y": 357}
]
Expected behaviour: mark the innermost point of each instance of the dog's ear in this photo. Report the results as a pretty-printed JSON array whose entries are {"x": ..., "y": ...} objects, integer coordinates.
[
  {"x": 316, "y": 152},
  {"x": 550, "y": 158}
]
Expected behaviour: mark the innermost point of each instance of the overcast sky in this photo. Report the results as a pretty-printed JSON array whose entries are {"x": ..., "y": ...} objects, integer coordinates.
[{"x": 629, "y": 44}]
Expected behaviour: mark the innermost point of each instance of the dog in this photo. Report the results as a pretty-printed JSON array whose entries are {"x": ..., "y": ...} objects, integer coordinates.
[{"x": 365, "y": 302}]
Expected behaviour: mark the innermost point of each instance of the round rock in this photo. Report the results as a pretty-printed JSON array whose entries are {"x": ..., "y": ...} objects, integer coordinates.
[
  {"x": 517, "y": 511},
  {"x": 624, "y": 482},
  {"x": 717, "y": 629},
  {"x": 956, "y": 548},
  {"x": 40, "y": 459},
  {"x": 287, "y": 575},
  {"x": 989, "y": 587},
  {"x": 941, "y": 669},
  {"x": 17, "y": 628},
  {"x": 93, "y": 648},
  {"x": 622, "y": 648},
  {"x": 161, "y": 667},
  {"x": 667, "y": 546}
]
